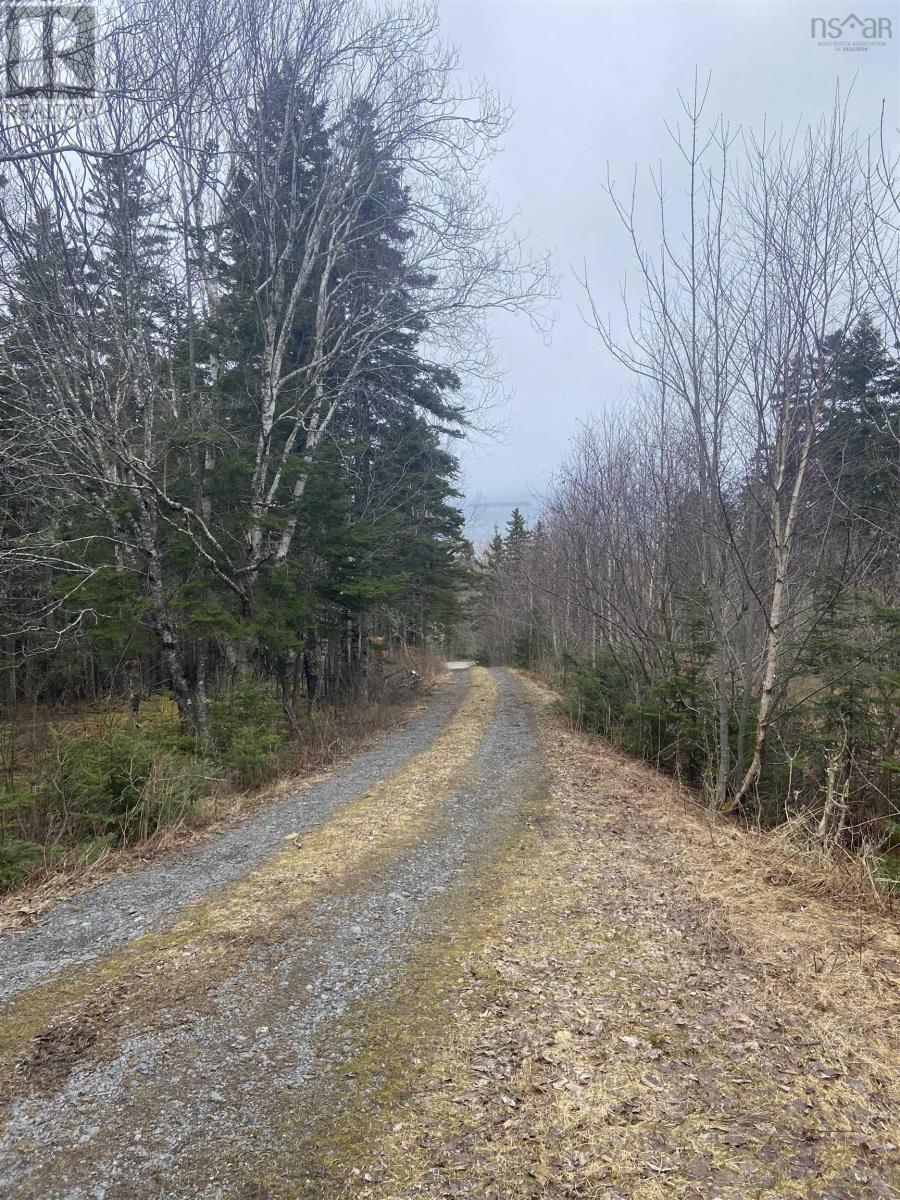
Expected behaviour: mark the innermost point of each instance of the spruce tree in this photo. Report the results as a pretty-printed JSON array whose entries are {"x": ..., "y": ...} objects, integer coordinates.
[{"x": 516, "y": 536}]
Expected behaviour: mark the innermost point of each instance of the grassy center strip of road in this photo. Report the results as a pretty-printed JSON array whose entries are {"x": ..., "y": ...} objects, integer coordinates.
[{"x": 48, "y": 1029}]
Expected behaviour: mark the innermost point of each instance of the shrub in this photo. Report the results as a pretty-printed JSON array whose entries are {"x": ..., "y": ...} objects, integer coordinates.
[
  {"x": 595, "y": 695},
  {"x": 669, "y": 722},
  {"x": 19, "y": 859},
  {"x": 248, "y": 734},
  {"x": 115, "y": 786}
]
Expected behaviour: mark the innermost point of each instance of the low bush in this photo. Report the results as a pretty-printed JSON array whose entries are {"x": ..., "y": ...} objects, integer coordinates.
[
  {"x": 97, "y": 789},
  {"x": 671, "y": 722},
  {"x": 19, "y": 859},
  {"x": 92, "y": 787},
  {"x": 117, "y": 786},
  {"x": 248, "y": 735}
]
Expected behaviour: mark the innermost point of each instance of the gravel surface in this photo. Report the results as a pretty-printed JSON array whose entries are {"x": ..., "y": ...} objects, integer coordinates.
[
  {"x": 193, "y": 1109},
  {"x": 90, "y": 925}
]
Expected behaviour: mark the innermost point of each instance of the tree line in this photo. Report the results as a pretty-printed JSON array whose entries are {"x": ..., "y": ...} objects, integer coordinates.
[
  {"x": 242, "y": 320},
  {"x": 715, "y": 569}
]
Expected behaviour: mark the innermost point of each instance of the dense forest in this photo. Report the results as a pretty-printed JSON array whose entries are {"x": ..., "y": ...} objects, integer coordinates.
[
  {"x": 715, "y": 573},
  {"x": 243, "y": 319}
]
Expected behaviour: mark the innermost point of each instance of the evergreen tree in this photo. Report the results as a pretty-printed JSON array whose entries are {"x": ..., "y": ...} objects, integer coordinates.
[
  {"x": 516, "y": 536},
  {"x": 857, "y": 446},
  {"x": 495, "y": 553}
]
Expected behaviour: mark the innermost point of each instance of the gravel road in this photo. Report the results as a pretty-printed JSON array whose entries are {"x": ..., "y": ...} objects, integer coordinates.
[
  {"x": 88, "y": 926},
  {"x": 193, "y": 1109}
]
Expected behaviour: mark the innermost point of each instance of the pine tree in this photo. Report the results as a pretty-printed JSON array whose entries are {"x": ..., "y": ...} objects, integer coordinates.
[
  {"x": 857, "y": 446},
  {"x": 516, "y": 536},
  {"x": 495, "y": 553}
]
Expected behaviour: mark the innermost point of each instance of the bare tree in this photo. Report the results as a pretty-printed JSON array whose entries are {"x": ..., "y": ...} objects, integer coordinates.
[
  {"x": 803, "y": 210},
  {"x": 683, "y": 336}
]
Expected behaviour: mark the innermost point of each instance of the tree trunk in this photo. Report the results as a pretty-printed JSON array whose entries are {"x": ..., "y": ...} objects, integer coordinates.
[
  {"x": 767, "y": 697},
  {"x": 133, "y": 689},
  {"x": 191, "y": 709},
  {"x": 839, "y": 764},
  {"x": 311, "y": 667}
]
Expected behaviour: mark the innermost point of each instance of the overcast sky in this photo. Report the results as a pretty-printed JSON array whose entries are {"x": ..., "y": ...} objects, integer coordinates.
[{"x": 592, "y": 82}]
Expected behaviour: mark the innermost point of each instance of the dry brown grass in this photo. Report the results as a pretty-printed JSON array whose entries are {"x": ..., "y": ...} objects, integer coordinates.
[
  {"x": 818, "y": 916},
  {"x": 637, "y": 1003}
]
